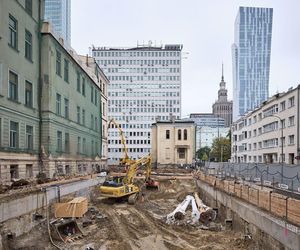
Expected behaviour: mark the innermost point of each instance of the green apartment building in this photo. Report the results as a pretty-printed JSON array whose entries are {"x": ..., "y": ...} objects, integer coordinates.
[{"x": 50, "y": 105}]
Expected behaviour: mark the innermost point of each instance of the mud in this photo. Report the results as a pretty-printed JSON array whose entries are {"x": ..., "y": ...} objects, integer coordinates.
[{"x": 142, "y": 226}]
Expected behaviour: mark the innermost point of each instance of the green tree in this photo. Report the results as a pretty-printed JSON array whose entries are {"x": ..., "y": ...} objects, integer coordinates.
[
  {"x": 221, "y": 149},
  {"x": 203, "y": 153}
]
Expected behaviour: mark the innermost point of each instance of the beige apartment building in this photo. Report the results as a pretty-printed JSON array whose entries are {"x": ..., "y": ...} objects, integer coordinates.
[
  {"x": 173, "y": 143},
  {"x": 261, "y": 136}
]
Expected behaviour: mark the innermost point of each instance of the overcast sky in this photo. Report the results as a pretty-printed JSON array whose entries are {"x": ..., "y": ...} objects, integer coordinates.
[{"x": 206, "y": 30}]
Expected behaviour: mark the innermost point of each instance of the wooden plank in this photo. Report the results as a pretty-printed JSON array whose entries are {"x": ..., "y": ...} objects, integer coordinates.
[
  {"x": 294, "y": 211},
  {"x": 245, "y": 192},
  {"x": 72, "y": 209},
  {"x": 278, "y": 204},
  {"x": 238, "y": 190},
  {"x": 253, "y": 196},
  {"x": 264, "y": 199}
]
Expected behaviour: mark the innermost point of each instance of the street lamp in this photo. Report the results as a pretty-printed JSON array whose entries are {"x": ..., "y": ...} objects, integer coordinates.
[{"x": 281, "y": 125}]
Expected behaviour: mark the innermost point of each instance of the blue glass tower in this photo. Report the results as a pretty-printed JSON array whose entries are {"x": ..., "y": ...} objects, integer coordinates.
[
  {"x": 58, "y": 12},
  {"x": 251, "y": 53}
]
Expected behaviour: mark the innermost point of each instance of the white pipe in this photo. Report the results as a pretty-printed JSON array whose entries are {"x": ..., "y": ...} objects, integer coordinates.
[{"x": 179, "y": 210}]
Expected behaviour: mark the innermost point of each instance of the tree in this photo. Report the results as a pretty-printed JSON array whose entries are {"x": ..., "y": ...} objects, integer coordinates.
[
  {"x": 221, "y": 149},
  {"x": 203, "y": 153}
]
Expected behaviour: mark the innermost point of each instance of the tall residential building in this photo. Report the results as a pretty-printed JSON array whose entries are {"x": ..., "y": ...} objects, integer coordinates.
[
  {"x": 58, "y": 12},
  {"x": 222, "y": 107},
  {"x": 251, "y": 58},
  {"x": 145, "y": 86}
]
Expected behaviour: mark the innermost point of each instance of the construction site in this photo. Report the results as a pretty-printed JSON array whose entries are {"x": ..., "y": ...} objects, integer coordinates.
[{"x": 171, "y": 216}]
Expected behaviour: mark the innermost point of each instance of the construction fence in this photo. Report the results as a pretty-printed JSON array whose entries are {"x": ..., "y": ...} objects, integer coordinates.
[
  {"x": 268, "y": 199},
  {"x": 285, "y": 177}
]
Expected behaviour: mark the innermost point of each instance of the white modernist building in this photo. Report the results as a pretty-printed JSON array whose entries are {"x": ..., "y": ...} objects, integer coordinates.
[
  {"x": 270, "y": 130},
  {"x": 145, "y": 86}
]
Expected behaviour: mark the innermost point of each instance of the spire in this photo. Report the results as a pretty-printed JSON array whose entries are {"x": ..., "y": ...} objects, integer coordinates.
[{"x": 222, "y": 79}]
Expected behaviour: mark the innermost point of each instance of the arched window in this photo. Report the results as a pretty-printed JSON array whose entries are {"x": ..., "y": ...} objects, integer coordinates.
[
  {"x": 185, "y": 134},
  {"x": 179, "y": 134}
]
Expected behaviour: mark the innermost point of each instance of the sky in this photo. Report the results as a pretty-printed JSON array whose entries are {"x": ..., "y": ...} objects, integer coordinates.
[{"x": 206, "y": 30}]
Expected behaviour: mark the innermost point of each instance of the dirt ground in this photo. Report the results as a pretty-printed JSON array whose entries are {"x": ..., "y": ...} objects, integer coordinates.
[{"x": 143, "y": 226}]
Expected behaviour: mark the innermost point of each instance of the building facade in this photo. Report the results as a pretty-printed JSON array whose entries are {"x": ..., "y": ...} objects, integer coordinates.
[
  {"x": 257, "y": 136},
  {"x": 207, "y": 120},
  {"x": 58, "y": 13},
  {"x": 71, "y": 111},
  {"x": 173, "y": 143},
  {"x": 222, "y": 107},
  {"x": 19, "y": 81},
  {"x": 99, "y": 77},
  {"x": 145, "y": 86},
  {"x": 251, "y": 53}
]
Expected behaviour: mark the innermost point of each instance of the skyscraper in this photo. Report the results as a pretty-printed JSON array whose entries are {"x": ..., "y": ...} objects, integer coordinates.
[
  {"x": 251, "y": 58},
  {"x": 58, "y": 12},
  {"x": 145, "y": 86},
  {"x": 222, "y": 107}
]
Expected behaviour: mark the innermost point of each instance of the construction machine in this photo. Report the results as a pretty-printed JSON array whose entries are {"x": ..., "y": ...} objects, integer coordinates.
[
  {"x": 123, "y": 186},
  {"x": 125, "y": 161}
]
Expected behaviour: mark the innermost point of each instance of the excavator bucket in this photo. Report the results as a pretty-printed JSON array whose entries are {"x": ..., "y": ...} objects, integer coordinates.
[{"x": 151, "y": 184}]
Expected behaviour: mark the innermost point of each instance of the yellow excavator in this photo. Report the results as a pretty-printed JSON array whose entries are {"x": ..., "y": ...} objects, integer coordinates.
[
  {"x": 125, "y": 161},
  {"x": 123, "y": 186}
]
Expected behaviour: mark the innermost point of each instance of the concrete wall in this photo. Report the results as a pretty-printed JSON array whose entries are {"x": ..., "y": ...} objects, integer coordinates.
[
  {"x": 273, "y": 233},
  {"x": 19, "y": 219}
]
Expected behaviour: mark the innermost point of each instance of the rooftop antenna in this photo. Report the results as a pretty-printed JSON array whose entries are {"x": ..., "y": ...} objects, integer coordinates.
[{"x": 222, "y": 79}]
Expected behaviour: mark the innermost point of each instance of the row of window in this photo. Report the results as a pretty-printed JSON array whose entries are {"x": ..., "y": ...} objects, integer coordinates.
[
  {"x": 130, "y": 150},
  {"x": 147, "y": 63},
  {"x": 143, "y": 94},
  {"x": 82, "y": 146},
  {"x": 145, "y": 110},
  {"x": 15, "y": 134},
  {"x": 144, "y": 78},
  {"x": 179, "y": 134},
  {"x": 13, "y": 37},
  {"x": 143, "y": 102},
  {"x": 13, "y": 89},
  {"x": 142, "y": 70},
  {"x": 136, "y": 53}
]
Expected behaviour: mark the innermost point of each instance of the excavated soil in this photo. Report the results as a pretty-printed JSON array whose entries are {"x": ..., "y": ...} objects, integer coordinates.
[{"x": 142, "y": 226}]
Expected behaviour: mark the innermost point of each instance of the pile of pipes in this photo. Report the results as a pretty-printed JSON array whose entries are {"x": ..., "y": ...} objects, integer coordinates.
[{"x": 200, "y": 212}]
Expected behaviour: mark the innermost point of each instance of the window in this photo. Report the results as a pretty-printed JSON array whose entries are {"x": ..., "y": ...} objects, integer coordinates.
[
  {"x": 103, "y": 108},
  {"x": 92, "y": 122},
  {"x": 291, "y": 139},
  {"x": 14, "y": 135},
  {"x": 83, "y": 117},
  {"x": 167, "y": 134},
  {"x": 58, "y": 104},
  {"x": 13, "y": 86},
  {"x": 185, "y": 134},
  {"x": 282, "y": 106},
  {"x": 66, "y": 108},
  {"x": 29, "y": 171},
  {"x": 67, "y": 143},
  {"x": 59, "y": 141},
  {"x": 84, "y": 145},
  {"x": 283, "y": 123},
  {"x": 28, "y": 45},
  {"x": 291, "y": 101},
  {"x": 78, "y": 144},
  {"x": 78, "y": 81},
  {"x": 58, "y": 63},
  {"x": 92, "y": 94},
  {"x": 291, "y": 120},
  {"x": 181, "y": 153},
  {"x": 95, "y": 97},
  {"x": 28, "y": 6},
  {"x": 83, "y": 86},
  {"x": 29, "y": 137},
  {"x": 179, "y": 134},
  {"x": 13, "y": 32},
  {"x": 78, "y": 114},
  {"x": 28, "y": 94},
  {"x": 66, "y": 70}
]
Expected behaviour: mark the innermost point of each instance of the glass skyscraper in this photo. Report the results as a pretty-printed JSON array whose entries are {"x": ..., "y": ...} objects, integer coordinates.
[
  {"x": 251, "y": 58},
  {"x": 58, "y": 12}
]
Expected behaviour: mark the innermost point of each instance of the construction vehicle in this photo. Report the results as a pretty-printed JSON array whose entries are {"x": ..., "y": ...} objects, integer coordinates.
[
  {"x": 125, "y": 161},
  {"x": 123, "y": 186}
]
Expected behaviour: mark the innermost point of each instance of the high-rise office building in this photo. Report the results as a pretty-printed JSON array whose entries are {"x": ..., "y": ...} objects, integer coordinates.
[
  {"x": 145, "y": 86},
  {"x": 251, "y": 58},
  {"x": 58, "y": 12},
  {"x": 222, "y": 107}
]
